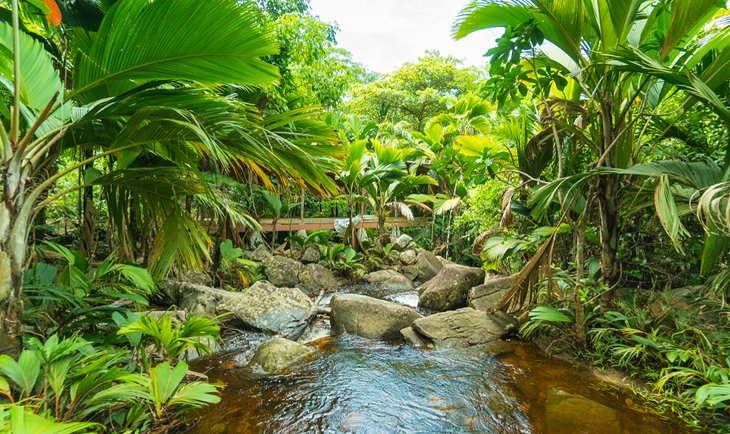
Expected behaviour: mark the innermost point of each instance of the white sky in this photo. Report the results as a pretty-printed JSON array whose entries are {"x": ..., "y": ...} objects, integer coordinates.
[{"x": 384, "y": 34}]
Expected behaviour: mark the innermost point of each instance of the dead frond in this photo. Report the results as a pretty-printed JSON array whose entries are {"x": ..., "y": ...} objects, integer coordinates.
[{"x": 524, "y": 288}]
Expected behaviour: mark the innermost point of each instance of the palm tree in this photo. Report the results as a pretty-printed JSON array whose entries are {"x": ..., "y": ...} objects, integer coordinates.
[
  {"x": 387, "y": 181},
  {"x": 619, "y": 60},
  {"x": 147, "y": 75}
]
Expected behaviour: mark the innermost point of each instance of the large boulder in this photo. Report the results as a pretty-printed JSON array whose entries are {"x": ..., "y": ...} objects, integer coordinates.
[
  {"x": 260, "y": 254},
  {"x": 277, "y": 354},
  {"x": 567, "y": 412},
  {"x": 310, "y": 255},
  {"x": 463, "y": 328},
  {"x": 402, "y": 242},
  {"x": 283, "y": 271},
  {"x": 389, "y": 281},
  {"x": 197, "y": 299},
  {"x": 426, "y": 267},
  {"x": 369, "y": 317},
  {"x": 316, "y": 277},
  {"x": 267, "y": 307},
  {"x": 449, "y": 288},
  {"x": 485, "y": 297}
]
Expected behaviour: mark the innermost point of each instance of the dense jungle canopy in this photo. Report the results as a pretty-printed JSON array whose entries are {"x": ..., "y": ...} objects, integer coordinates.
[{"x": 147, "y": 143}]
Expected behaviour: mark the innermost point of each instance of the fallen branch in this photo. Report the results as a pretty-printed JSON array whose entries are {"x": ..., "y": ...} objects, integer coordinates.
[{"x": 304, "y": 321}]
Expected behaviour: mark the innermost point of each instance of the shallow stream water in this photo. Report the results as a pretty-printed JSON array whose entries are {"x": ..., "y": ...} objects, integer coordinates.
[
  {"x": 353, "y": 385},
  {"x": 359, "y": 386}
]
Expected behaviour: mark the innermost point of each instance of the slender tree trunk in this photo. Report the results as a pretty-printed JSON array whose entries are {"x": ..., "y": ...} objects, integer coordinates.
[
  {"x": 607, "y": 196},
  {"x": 87, "y": 239},
  {"x": 15, "y": 220}
]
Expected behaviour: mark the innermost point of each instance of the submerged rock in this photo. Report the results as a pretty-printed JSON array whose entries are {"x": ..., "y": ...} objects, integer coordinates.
[
  {"x": 316, "y": 277},
  {"x": 389, "y": 280},
  {"x": 369, "y": 317},
  {"x": 449, "y": 288},
  {"x": 267, "y": 307},
  {"x": 463, "y": 328},
  {"x": 277, "y": 354},
  {"x": 412, "y": 337},
  {"x": 283, "y": 271},
  {"x": 485, "y": 297},
  {"x": 561, "y": 409}
]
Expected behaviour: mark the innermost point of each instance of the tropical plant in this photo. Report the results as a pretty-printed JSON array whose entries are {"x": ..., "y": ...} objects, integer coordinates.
[
  {"x": 231, "y": 263},
  {"x": 154, "y": 99},
  {"x": 79, "y": 296},
  {"x": 602, "y": 57},
  {"x": 387, "y": 181},
  {"x": 344, "y": 259},
  {"x": 70, "y": 380},
  {"x": 171, "y": 339}
]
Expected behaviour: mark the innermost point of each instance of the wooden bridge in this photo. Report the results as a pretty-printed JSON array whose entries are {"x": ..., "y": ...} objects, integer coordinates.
[{"x": 318, "y": 223}]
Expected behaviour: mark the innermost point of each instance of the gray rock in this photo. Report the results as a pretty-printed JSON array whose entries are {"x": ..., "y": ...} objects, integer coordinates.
[
  {"x": 197, "y": 299},
  {"x": 402, "y": 242},
  {"x": 369, "y": 317},
  {"x": 485, "y": 297},
  {"x": 412, "y": 337},
  {"x": 260, "y": 254},
  {"x": 283, "y": 271},
  {"x": 566, "y": 412},
  {"x": 407, "y": 257},
  {"x": 427, "y": 266},
  {"x": 310, "y": 255},
  {"x": 316, "y": 277},
  {"x": 175, "y": 315},
  {"x": 449, "y": 288},
  {"x": 411, "y": 272},
  {"x": 463, "y": 328},
  {"x": 443, "y": 260},
  {"x": 302, "y": 233},
  {"x": 195, "y": 277},
  {"x": 389, "y": 281},
  {"x": 295, "y": 254},
  {"x": 277, "y": 354},
  {"x": 266, "y": 307}
]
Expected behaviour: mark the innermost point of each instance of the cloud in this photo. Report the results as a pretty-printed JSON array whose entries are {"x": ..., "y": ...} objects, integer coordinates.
[{"x": 384, "y": 34}]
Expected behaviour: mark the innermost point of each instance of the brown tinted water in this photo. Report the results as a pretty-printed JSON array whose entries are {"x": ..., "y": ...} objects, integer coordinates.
[{"x": 357, "y": 386}]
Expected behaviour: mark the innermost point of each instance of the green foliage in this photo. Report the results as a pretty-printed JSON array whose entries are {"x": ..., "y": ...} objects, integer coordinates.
[
  {"x": 482, "y": 208},
  {"x": 70, "y": 379},
  {"x": 413, "y": 93},
  {"x": 232, "y": 264},
  {"x": 171, "y": 339},
  {"x": 20, "y": 419},
  {"x": 680, "y": 355},
  {"x": 344, "y": 259},
  {"x": 544, "y": 317},
  {"x": 79, "y": 296}
]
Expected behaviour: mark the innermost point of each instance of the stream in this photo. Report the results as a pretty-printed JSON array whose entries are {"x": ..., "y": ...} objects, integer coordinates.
[{"x": 354, "y": 385}]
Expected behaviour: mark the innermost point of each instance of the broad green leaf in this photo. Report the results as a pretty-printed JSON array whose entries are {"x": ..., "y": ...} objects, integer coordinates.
[{"x": 216, "y": 41}]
